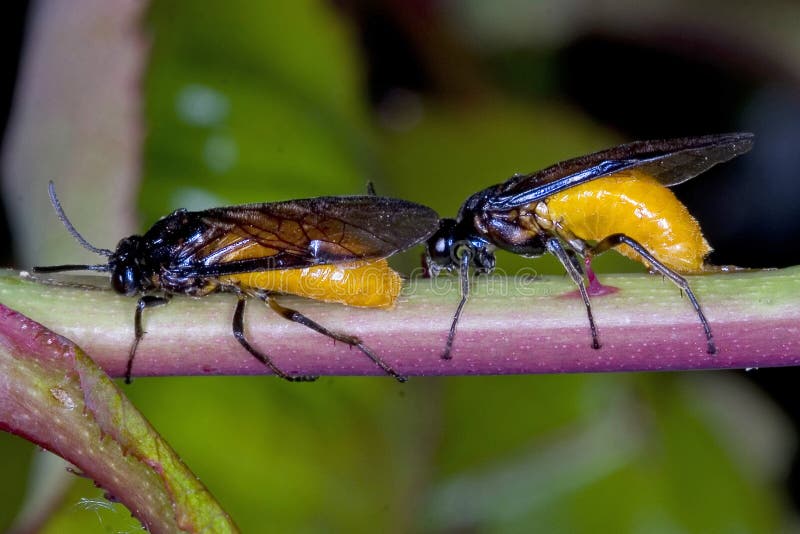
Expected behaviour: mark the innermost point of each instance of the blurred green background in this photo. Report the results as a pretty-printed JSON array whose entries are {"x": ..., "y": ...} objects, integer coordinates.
[{"x": 432, "y": 101}]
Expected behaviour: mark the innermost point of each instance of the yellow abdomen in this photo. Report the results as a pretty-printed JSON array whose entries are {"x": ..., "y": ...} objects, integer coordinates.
[
  {"x": 360, "y": 283},
  {"x": 634, "y": 204}
]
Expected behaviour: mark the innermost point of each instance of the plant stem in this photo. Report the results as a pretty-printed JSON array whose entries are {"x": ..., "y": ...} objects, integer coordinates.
[
  {"x": 510, "y": 325},
  {"x": 52, "y": 394}
]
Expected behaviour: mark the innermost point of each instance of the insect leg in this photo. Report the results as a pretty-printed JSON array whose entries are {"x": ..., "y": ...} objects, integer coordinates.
[
  {"x": 576, "y": 261},
  {"x": 463, "y": 272},
  {"x": 147, "y": 301},
  {"x": 371, "y": 189},
  {"x": 618, "y": 239},
  {"x": 297, "y": 317},
  {"x": 555, "y": 247},
  {"x": 238, "y": 333}
]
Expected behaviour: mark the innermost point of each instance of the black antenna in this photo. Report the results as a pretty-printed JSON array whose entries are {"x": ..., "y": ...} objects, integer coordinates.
[
  {"x": 71, "y": 229},
  {"x": 58, "y": 268}
]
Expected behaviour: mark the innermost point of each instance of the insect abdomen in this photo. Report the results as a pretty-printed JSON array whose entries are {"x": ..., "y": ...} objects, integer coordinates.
[
  {"x": 360, "y": 283},
  {"x": 634, "y": 204}
]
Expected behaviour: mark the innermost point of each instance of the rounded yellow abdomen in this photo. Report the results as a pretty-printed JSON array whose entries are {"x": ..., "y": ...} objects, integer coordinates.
[
  {"x": 634, "y": 204},
  {"x": 360, "y": 283}
]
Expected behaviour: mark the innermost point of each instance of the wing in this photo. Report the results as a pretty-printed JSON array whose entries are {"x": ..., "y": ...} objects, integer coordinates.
[
  {"x": 670, "y": 161},
  {"x": 301, "y": 233}
]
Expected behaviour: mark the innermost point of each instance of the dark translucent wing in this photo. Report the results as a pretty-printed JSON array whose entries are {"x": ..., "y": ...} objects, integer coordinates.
[
  {"x": 670, "y": 161},
  {"x": 301, "y": 233}
]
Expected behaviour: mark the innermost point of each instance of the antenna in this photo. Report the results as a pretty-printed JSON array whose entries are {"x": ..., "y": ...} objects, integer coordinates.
[
  {"x": 59, "y": 268},
  {"x": 71, "y": 229}
]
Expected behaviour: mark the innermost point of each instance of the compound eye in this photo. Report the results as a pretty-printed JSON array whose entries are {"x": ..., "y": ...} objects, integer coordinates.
[
  {"x": 438, "y": 250},
  {"x": 124, "y": 281}
]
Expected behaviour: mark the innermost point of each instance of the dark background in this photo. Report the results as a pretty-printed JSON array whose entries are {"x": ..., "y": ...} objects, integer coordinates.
[{"x": 14, "y": 32}]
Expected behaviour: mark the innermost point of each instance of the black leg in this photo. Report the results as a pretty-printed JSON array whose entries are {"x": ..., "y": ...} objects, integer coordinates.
[
  {"x": 147, "y": 301},
  {"x": 463, "y": 273},
  {"x": 576, "y": 261},
  {"x": 353, "y": 341},
  {"x": 575, "y": 272},
  {"x": 371, "y": 189},
  {"x": 238, "y": 333},
  {"x": 618, "y": 239}
]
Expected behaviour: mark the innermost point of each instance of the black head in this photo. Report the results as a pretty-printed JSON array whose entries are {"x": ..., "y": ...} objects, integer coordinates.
[
  {"x": 440, "y": 249},
  {"x": 448, "y": 245},
  {"x": 125, "y": 266}
]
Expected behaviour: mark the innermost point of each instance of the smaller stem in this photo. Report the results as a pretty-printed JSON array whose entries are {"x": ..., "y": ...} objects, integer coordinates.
[
  {"x": 510, "y": 325},
  {"x": 52, "y": 394}
]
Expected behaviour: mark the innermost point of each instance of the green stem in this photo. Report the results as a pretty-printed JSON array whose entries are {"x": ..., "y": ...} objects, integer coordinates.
[
  {"x": 510, "y": 325},
  {"x": 54, "y": 395}
]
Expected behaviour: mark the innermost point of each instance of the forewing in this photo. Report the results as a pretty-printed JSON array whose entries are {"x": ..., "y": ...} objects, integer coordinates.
[
  {"x": 670, "y": 161},
  {"x": 301, "y": 233}
]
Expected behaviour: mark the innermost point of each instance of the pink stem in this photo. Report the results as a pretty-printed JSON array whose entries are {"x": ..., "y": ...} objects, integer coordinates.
[{"x": 511, "y": 325}]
